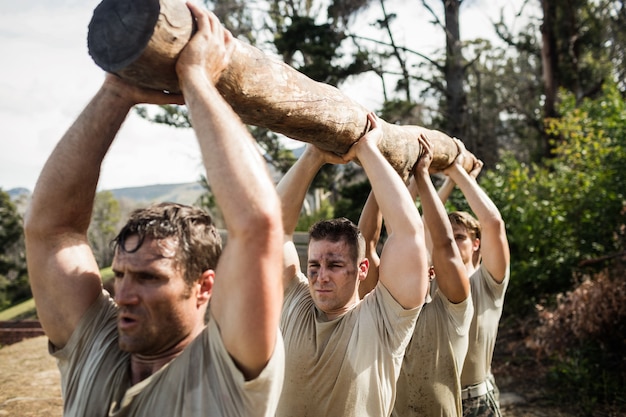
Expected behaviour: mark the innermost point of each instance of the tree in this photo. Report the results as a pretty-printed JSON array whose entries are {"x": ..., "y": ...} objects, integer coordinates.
[
  {"x": 570, "y": 210},
  {"x": 13, "y": 280},
  {"x": 577, "y": 46},
  {"x": 105, "y": 222}
]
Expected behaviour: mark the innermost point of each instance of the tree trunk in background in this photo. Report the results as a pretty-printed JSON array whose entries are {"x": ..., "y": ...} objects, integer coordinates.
[
  {"x": 263, "y": 91},
  {"x": 454, "y": 72},
  {"x": 549, "y": 62}
]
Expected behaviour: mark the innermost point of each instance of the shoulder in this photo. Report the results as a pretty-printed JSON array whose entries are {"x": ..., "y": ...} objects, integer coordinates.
[{"x": 484, "y": 287}]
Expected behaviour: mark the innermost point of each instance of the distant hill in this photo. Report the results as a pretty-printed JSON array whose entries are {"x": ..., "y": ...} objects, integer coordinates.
[
  {"x": 186, "y": 193},
  {"x": 16, "y": 193}
]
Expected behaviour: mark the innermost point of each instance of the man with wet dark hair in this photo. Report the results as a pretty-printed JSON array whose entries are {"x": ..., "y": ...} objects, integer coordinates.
[{"x": 158, "y": 347}]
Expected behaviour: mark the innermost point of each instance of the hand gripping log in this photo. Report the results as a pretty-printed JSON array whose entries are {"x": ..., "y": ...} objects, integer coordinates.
[{"x": 140, "y": 41}]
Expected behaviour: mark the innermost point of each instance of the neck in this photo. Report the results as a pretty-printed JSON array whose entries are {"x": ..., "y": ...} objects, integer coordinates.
[
  {"x": 144, "y": 366},
  {"x": 470, "y": 268},
  {"x": 333, "y": 314}
]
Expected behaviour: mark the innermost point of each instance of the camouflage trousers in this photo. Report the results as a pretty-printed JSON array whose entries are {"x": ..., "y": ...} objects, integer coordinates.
[
  {"x": 487, "y": 405},
  {"x": 483, "y": 406}
]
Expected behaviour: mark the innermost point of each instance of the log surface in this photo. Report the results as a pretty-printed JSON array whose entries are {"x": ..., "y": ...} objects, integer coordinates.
[{"x": 262, "y": 90}]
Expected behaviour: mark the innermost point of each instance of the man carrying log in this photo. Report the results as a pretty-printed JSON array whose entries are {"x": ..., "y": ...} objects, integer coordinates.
[
  {"x": 157, "y": 348},
  {"x": 343, "y": 354}
]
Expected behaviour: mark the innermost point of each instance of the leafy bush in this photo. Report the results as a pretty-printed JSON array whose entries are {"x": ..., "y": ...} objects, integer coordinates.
[
  {"x": 13, "y": 280},
  {"x": 584, "y": 338},
  {"x": 570, "y": 209}
]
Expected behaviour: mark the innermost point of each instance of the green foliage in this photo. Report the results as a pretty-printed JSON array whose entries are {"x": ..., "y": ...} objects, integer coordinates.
[
  {"x": 274, "y": 151},
  {"x": 316, "y": 43},
  {"x": 305, "y": 221},
  {"x": 583, "y": 337},
  {"x": 13, "y": 280},
  {"x": 105, "y": 223},
  {"x": 587, "y": 379},
  {"x": 569, "y": 210},
  {"x": 24, "y": 310},
  {"x": 352, "y": 200}
]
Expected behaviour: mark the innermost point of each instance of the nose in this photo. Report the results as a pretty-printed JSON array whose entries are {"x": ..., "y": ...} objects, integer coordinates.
[
  {"x": 322, "y": 275},
  {"x": 124, "y": 291}
]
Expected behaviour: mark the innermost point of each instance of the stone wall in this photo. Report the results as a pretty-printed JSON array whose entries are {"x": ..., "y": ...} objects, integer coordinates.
[{"x": 16, "y": 331}]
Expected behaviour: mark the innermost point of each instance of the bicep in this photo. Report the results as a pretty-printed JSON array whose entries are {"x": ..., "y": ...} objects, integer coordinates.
[
  {"x": 452, "y": 278},
  {"x": 247, "y": 300},
  {"x": 65, "y": 280},
  {"x": 404, "y": 269},
  {"x": 495, "y": 250}
]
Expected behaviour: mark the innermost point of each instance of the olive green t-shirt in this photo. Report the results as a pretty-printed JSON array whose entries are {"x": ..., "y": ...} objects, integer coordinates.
[
  {"x": 429, "y": 382},
  {"x": 488, "y": 298},
  {"x": 202, "y": 381},
  {"x": 345, "y": 367}
]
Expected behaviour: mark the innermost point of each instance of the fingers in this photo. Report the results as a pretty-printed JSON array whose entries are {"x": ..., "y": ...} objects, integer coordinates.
[
  {"x": 426, "y": 157},
  {"x": 425, "y": 144},
  {"x": 373, "y": 120},
  {"x": 136, "y": 94},
  {"x": 478, "y": 166},
  {"x": 372, "y": 137},
  {"x": 324, "y": 156},
  {"x": 211, "y": 47}
]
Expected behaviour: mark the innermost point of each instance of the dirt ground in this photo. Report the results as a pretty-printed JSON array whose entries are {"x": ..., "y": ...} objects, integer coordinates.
[
  {"x": 30, "y": 384},
  {"x": 30, "y": 381}
]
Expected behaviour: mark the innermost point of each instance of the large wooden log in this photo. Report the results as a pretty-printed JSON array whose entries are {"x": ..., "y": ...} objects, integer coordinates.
[{"x": 140, "y": 41}]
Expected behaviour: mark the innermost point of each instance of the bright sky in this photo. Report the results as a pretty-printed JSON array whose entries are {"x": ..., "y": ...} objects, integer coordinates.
[{"x": 47, "y": 77}]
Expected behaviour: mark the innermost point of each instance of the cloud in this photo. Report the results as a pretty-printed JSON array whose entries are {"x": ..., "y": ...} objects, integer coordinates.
[{"x": 47, "y": 78}]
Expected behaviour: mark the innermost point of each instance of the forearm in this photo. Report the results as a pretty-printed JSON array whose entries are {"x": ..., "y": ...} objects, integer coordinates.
[
  {"x": 371, "y": 221},
  {"x": 393, "y": 198},
  {"x": 294, "y": 185},
  {"x": 370, "y": 225},
  {"x": 227, "y": 147},
  {"x": 446, "y": 189},
  {"x": 477, "y": 199},
  {"x": 64, "y": 194},
  {"x": 434, "y": 213}
]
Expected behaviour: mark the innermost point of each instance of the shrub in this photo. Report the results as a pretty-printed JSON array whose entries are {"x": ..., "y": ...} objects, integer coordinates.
[
  {"x": 584, "y": 337},
  {"x": 569, "y": 209}
]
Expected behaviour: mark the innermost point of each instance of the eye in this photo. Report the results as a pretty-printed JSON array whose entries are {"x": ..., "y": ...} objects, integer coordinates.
[
  {"x": 147, "y": 277},
  {"x": 118, "y": 275}
]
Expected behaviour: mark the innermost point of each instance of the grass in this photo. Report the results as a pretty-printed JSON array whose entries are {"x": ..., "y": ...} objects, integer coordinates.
[{"x": 26, "y": 309}]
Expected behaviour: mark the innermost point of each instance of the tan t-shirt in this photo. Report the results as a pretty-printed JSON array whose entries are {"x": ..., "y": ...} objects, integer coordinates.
[
  {"x": 429, "y": 382},
  {"x": 343, "y": 367},
  {"x": 202, "y": 381},
  {"x": 488, "y": 297}
]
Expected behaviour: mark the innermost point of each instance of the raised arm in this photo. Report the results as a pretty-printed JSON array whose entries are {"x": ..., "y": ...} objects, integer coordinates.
[
  {"x": 403, "y": 262},
  {"x": 452, "y": 278},
  {"x": 247, "y": 294},
  {"x": 448, "y": 185},
  {"x": 63, "y": 273},
  {"x": 370, "y": 225},
  {"x": 494, "y": 246},
  {"x": 292, "y": 190}
]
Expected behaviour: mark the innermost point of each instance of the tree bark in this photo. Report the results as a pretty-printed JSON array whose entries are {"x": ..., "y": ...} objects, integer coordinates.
[{"x": 263, "y": 91}]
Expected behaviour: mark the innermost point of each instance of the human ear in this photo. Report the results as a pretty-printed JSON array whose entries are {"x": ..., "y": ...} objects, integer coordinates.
[
  {"x": 364, "y": 266},
  {"x": 206, "y": 281}
]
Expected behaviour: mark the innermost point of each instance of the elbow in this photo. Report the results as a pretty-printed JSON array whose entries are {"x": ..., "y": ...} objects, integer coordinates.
[
  {"x": 34, "y": 224},
  {"x": 494, "y": 222},
  {"x": 260, "y": 222}
]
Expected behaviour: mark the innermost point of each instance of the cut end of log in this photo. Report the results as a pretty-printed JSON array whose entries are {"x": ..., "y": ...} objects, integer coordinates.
[
  {"x": 119, "y": 31},
  {"x": 140, "y": 40}
]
